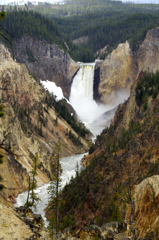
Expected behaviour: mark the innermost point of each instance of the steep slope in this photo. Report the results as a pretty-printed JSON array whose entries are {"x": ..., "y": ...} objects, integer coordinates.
[
  {"x": 117, "y": 73},
  {"x": 146, "y": 196},
  {"x": 123, "y": 155},
  {"x": 147, "y": 55},
  {"x": 46, "y": 62},
  {"x": 32, "y": 125},
  {"x": 18, "y": 224},
  {"x": 120, "y": 68}
]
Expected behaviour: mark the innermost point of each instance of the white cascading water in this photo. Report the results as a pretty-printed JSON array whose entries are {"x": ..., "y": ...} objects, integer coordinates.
[
  {"x": 68, "y": 165},
  {"x": 81, "y": 98}
]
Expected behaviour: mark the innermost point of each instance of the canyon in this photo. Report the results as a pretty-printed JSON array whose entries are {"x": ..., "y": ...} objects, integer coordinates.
[
  {"x": 123, "y": 156},
  {"x": 22, "y": 136},
  {"x": 114, "y": 168},
  {"x": 115, "y": 74}
]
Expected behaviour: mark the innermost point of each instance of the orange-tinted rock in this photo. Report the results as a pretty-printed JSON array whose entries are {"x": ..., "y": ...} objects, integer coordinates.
[
  {"x": 148, "y": 53},
  {"x": 146, "y": 197},
  {"x": 21, "y": 93},
  {"x": 117, "y": 73}
]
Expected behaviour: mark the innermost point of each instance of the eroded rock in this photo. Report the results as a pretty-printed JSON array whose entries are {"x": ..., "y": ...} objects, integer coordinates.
[
  {"x": 49, "y": 63},
  {"x": 117, "y": 73},
  {"x": 146, "y": 198},
  {"x": 109, "y": 231}
]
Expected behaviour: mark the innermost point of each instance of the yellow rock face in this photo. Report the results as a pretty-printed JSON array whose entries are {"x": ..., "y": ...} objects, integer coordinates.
[
  {"x": 146, "y": 195},
  {"x": 117, "y": 73},
  {"x": 120, "y": 68},
  {"x": 147, "y": 56},
  {"x": 11, "y": 227},
  {"x": 21, "y": 90}
]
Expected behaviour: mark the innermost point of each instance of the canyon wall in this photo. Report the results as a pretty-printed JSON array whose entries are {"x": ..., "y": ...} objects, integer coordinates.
[
  {"x": 121, "y": 67},
  {"x": 117, "y": 72},
  {"x": 148, "y": 53},
  {"x": 46, "y": 62},
  {"x": 123, "y": 156},
  {"x": 26, "y": 112},
  {"x": 113, "y": 77},
  {"x": 146, "y": 196}
]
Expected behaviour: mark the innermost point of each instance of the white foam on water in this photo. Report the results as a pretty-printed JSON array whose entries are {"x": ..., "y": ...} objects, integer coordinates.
[{"x": 68, "y": 166}]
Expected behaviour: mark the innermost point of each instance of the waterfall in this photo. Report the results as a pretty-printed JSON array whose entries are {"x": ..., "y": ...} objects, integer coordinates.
[
  {"x": 81, "y": 98},
  {"x": 83, "y": 83},
  {"x": 81, "y": 95}
]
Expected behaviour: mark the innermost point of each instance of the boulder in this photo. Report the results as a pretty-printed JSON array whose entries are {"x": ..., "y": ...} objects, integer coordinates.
[{"x": 107, "y": 232}]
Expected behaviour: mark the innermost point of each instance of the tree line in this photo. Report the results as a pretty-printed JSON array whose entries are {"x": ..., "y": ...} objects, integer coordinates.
[
  {"x": 80, "y": 7},
  {"x": 108, "y": 28},
  {"x": 147, "y": 86},
  {"x": 19, "y": 23},
  {"x": 101, "y": 27}
]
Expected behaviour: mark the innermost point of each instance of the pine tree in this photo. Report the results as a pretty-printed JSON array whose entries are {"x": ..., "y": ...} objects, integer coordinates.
[
  {"x": 32, "y": 198},
  {"x": 77, "y": 170},
  {"x": 2, "y": 15},
  {"x": 145, "y": 101},
  {"x": 53, "y": 189}
]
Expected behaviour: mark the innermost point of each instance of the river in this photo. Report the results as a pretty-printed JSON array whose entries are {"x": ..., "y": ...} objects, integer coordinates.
[
  {"x": 68, "y": 166},
  {"x": 81, "y": 98}
]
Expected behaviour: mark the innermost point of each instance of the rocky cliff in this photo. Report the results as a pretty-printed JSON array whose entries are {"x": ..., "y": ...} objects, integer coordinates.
[
  {"x": 21, "y": 224},
  {"x": 147, "y": 55},
  {"x": 117, "y": 72},
  {"x": 123, "y": 156},
  {"x": 46, "y": 61},
  {"x": 120, "y": 68},
  {"x": 30, "y": 125},
  {"x": 113, "y": 77},
  {"x": 146, "y": 196},
  {"x": 96, "y": 95}
]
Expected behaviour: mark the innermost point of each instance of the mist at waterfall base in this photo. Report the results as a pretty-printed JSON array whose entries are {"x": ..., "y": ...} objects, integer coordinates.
[
  {"x": 81, "y": 98},
  {"x": 89, "y": 112}
]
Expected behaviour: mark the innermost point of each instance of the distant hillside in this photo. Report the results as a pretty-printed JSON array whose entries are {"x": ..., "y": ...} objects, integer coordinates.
[
  {"x": 107, "y": 28},
  {"x": 20, "y": 23},
  {"x": 80, "y": 7},
  {"x": 102, "y": 22}
]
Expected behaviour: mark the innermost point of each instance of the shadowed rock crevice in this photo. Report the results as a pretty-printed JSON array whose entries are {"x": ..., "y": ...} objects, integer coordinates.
[{"x": 96, "y": 95}]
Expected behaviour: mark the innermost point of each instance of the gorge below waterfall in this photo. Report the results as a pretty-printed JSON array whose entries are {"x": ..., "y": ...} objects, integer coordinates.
[
  {"x": 81, "y": 99},
  {"x": 81, "y": 95},
  {"x": 68, "y": 166},
  {"x": 90, "y": 113}
]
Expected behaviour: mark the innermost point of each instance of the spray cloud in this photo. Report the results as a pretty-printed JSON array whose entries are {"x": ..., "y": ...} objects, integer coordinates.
[{"x": 81, "y": 96}]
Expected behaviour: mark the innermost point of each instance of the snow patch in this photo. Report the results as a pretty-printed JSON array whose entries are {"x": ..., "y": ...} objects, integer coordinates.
[{"x": 52, "y": 88}]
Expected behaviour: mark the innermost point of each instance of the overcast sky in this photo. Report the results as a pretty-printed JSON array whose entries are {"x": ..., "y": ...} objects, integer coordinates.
[
  {"x": 8, "y": 1},
  {"x": 53, "y": 1}
]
